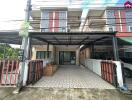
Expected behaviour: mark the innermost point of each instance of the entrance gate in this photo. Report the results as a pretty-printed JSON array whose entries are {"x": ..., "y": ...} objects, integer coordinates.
[{"x": 108, "y": 72}]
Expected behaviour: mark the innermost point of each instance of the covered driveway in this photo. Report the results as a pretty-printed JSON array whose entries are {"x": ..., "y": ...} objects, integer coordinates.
[
  {"x": 71, "y": 76},
  {"x": 68, "y": 76}
]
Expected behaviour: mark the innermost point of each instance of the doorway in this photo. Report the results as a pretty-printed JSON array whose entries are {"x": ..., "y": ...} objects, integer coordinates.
[{"x": 67, "y": 58}]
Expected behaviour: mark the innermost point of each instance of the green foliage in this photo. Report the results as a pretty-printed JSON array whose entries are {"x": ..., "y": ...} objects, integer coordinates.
[{"x": 7, "y": 52}]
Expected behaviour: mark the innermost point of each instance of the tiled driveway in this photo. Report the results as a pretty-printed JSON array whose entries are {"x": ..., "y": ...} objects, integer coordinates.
[{"x": 73, "y": 77}]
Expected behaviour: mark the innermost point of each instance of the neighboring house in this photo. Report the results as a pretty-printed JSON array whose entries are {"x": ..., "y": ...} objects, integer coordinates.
[{"x": 111, "y": 19}]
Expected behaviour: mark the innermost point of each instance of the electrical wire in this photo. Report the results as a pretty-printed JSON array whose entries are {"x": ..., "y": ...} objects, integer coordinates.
[
  {"x": 73, "y": 19},
  {"x": 95, "y": 25}
]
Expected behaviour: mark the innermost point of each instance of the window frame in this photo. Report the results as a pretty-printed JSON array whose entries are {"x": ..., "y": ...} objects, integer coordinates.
[
  {"x": 113, "y": 28},
  {"x": 130, "y": 28},
  {"x": 44, "y": 54}
]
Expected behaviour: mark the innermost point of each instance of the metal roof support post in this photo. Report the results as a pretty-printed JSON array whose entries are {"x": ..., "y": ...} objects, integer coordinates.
[
  {"x": 48, "y": 51},
  {"x": 92, "y": 48},
  {"x": 25, "y": 47},
  {"x": 115, "y": 48},
  {"x": 30, "y": 48}
]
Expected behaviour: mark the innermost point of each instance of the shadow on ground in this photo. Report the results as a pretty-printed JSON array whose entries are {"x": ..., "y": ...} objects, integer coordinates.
[{"x": 62, "y": 94}]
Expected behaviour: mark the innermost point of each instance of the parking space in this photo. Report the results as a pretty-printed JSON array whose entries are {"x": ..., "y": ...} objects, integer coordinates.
[{"x": 72, "y": 76}]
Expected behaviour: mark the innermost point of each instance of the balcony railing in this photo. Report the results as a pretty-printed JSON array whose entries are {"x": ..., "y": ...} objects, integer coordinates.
[{"x": 98, "y": 22}]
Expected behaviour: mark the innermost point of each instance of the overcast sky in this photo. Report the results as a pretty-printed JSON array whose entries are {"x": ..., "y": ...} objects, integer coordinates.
[
  {"x": 11, "y": 10},
  {"x": 14, "y": 9}
]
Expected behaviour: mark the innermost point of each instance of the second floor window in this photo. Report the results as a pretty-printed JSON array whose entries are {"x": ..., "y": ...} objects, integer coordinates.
[
  {"x": 111, "y": 29},
  {"x": 130, "y": 28}
]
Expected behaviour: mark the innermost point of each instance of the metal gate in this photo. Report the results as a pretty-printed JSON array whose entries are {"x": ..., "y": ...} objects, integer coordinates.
[
  {"x": 9, "y": 70},
  {"x": 35, "y": 71},
  {"x": 108, "y": 72}
]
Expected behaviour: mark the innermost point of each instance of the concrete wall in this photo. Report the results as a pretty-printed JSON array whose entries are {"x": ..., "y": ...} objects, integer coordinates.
[
  {"x": 94, "y": 65},
  {"x": 84, "y": 54}
]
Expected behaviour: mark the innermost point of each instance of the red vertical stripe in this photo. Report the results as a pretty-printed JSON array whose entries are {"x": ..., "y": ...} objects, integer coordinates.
[
  {"x": 7, "y": 71},
  {"x": 117, "y": 20},
  {"x": 3, "y": 72},
  {"x": 50, "y": 21},
  {"x": 56, "y": 21},
  {"x": 123, "y": 20}
]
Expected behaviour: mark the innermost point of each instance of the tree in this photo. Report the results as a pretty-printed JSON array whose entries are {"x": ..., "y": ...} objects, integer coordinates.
[{"x": 6, "y": 51}]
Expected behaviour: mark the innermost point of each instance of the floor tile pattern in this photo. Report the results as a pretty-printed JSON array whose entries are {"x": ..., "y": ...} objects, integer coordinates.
[{"x": 69, "y": 76}]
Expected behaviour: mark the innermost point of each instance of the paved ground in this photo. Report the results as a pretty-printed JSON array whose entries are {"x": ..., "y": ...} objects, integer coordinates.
[
  {"x": 63, "y": 94},
  {"x": 129, "y": 83},
  {"x": 73, "y": 77}
]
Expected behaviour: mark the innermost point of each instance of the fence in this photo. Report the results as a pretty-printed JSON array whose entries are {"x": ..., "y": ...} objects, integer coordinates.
[
  {"x": 9, "y": 70},
  {"x": 108, "y": 72},
  {"x": 35, "y": 71}
]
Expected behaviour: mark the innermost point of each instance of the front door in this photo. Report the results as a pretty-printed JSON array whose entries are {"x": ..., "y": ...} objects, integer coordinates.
[{"x": 67, "y": 57}]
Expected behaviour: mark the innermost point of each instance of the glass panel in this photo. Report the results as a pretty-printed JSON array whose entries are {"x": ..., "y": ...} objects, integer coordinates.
[
  {"x": 73, "y": 57},
  {"x": 42, "y": 54},
  {"x": 45, "y": 21},
  {"x": 130, "y": 28},
  {"x": 61, "y": 57},
  {"x": 67, "y": 57},
  {"x": 62, "y": 21}
]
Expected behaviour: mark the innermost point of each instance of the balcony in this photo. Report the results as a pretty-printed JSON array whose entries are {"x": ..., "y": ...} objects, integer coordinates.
[
  {"x": 96, "y": 23},
  {"x": 96, "y": 18}
]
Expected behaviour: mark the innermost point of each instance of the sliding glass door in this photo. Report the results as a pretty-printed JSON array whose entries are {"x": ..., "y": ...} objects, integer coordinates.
[{"x": 67, "y": 57}]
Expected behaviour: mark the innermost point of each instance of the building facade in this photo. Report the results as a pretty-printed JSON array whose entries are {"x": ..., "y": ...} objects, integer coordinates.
[
  {"x": 110, "y": 19},
  {"x": 119, "y": 19},
  {"x": 64, "y": 20},
  {"x": 56, "y": 19}
]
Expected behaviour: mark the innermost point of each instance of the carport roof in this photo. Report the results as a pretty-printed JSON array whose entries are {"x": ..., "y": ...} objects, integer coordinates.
[{"x": 56, "y": 38}]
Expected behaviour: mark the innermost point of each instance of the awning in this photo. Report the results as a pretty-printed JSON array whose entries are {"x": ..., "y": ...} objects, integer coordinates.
[{"x": 126, "y": 37}]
